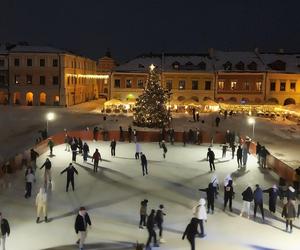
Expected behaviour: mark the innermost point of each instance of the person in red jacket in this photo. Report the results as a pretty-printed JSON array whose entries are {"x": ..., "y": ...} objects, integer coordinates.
[{"x": 96, "y": 158}]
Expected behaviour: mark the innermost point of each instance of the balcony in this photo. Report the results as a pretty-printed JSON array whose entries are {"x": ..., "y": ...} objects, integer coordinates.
[{"x": 239, "y": 91}]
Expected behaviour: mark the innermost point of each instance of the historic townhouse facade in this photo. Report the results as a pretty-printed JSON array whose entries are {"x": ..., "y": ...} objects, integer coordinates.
[{"x": 3, "y": 75}]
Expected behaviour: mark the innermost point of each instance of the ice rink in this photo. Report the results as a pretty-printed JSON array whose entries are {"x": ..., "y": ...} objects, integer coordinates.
[{"x": 112, "y": 197}]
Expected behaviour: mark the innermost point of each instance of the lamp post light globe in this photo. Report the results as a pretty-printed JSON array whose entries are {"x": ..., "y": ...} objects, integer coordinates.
[
  {"x": 251, "y": 121},
  {"x": 49, "y": 117}
]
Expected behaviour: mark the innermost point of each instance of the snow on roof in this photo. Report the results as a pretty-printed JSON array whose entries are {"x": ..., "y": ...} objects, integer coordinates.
[
  {"x": 36, "y": 49},
  {"x": 3, "y": 49},
  {"x": 185, "y": 62}
]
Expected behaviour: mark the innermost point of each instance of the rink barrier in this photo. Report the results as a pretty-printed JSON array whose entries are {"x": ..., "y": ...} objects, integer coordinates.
[{"x": 16, "y": 163}]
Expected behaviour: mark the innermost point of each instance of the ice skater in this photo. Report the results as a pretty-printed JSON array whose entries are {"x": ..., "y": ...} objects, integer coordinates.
[
  {"x": 273, "y": 194},
  {"x": 164, "y": 147},
  {"x": 211, "y": 159},
  {"x": 74, "y": 150},
  {"x": 30, "y": 178},
  {"x": 33, "y": 157},
  {"x": 201, "y": 214},
  {"x": 143, "y": 213},
  {"x": 228, "y": 195},
  {"x": 70, "y": 175},
  {"x": 113, "y": 145},
  {"x": 86, "y": 151},
  {"x": 4, "y": 230},
  {"x": 47, "y": 174},
  {"x": 247, "y": 199},
  {"x": 50, "y": 145},
  {"x": 258, "y": 201},
  {"x": 41, "y": 202},
  {"x": 245, "y": 152},
  {"x": 151, "y": 231},
  {"x": 144, "y": 164},
  {"x": 191, "y": 231},
  {"x": 137, "y": 151},
  {"x": 159, "y": 218},
  {"x": 81, "y": 223},
  {"x": 289, "y": 213},
  {"x": 239, "y": 156},
  {"x": 96, "y": 157},
  {"x": 210, "y": 196},
  {"x": 224, "y": 150}
]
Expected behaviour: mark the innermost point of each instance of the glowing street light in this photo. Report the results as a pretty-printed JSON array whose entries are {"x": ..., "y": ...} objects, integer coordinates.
[
  {"x": 152, "y": 67},
  {"x": 251, "y": 121},
  {"x": 49, "y": 117}
]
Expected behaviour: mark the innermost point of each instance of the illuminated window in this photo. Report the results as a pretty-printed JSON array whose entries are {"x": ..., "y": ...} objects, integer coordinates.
[
  {"x": 233, "y": 85},
  {"x": 282, "y": 86},
  {"x": 258, "y": 86},
  {"x": 128, "y": 83},
  {"x": 169, "y": 84},
  {"x": 293, "y": 86},
  {"x": 221, "y": 85},
  {"x": 117, "y": 83},
  {"x": 272, "y": 86},
  {"x": 194, "y": 85},
  {"x": 140, "y": 84},
  {"x": 181, "y": 84}
]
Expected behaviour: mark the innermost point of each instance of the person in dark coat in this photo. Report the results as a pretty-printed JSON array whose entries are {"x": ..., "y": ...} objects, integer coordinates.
[
  {"x": 95, "y": 133},
  {"x": 96, "y": 157},
  {"x": 121, "y": 134},
  {"x": 263, "y": 156},
  {"x": 81, "y": 222},
  {"x": 239, "y": 156},
  {"x": 273, "y": 194},
  {"x": 164, "y": 147},
  {"x": 258, "y": 201},
  {"x": 4, "y": 230},
  {"x": 228, "y": 195},
  {"x": 159, "y": 218},
  {"x": 232, "y": 151},
  {"x": 184, "y": 138},
  {"x": 80, "y": 145},
  {"x": 290, "y": 193},
  {"x": 129, "y": 133},
  {"x": 218, "y": 121},
  {"x": 50, "y": 145},
  {"x": 144, "y": 163},
  {"x": 143, "y": 213},
  {"x": 113, "y": 145},
  {"x": 33, "y": 157},
  {"x": 224, "y": 149},
  {"x": 191, "y": 231},
  {"x": 247, "y": 199},
  {"x": 211, "y": 159},
  {"x": 47, "y": 174},
  {"x": 70, "y": 175},
  {"x": 86, "y": 151},
  {"x": 289, "y": 213},
  {"x": 258, "y": 148},
  {"x": 74, "y": 151},
  {"x": 150, "y": 228},
  {"x": 210, "y": 195}
]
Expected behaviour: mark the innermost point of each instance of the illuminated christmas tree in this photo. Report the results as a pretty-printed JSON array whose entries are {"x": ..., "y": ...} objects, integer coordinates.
[{"x": 151, "y": 110}]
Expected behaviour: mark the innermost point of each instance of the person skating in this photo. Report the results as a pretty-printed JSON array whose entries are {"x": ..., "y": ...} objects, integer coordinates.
[
  {"x": 30, "y": 178},
  {"x": 211, "y": 159},
  {"x": 113, "y": 145},
  {"x": 95, "y": 133},
  {"x": 291, "y": 194},
  {"x": 144, "y": 163},
  {"x": 47, "y": 174},
  {"x": 245, "y": 152},
  {"x": 258, "y": 201},
  {"x": 96, "y": 157},
  {"x": 151, "y": 231},
  {"x": 134, "y": 135},
  {"x": 4, "y": 230},
  {"x": 121, "y": 134},
  {"x": 289, "y": 213},
  {"x": 273, "y": 194},
  {"x": 80, "y": 145},
  {"x": 184, "y": 138},
  {"x": 263, "y": 156},
  {"x": 74, "y": 150},
  {"x": 137, "y": 151},
  {"x": 164, "y": 147},
  {"x": 247, "y": 199},
  {"x": 143, "y": 213},
  {"x": 50, "y": 145},
  {"x": 239, "y": 156},
  {"x": 210, "y": 196},
  {"x": 159, "y": 218},
  {"x": 214, "y": 180},
  {"x": 81, "y": 222},
  {"x": 41, "y": 202},
  {"x": 129, "y": 134},
  {"x": 33, "y": 157},
  {"x": 258, "y": 148},
  {"x": 86, "y": 151},
  {"x": 224, "y": 150},
  {"x": 228, "y": 195},
  {"x": 217, "y": 121},
  {"x": 232, "y": 151},
  {"x": 200, "y": 213},
  {"x": 70, "y": 175},
  {"x": 191, "y": 231}
]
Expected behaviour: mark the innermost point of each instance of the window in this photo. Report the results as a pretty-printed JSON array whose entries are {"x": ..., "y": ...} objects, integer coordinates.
[
  {"x": 194, "y": 85},
  {"x": 282, "y": 86},
  {"x": 29, "y": 79},
  {"x": 42, "y": 80},
  {"x": 233, "y": 85},
  {"x": 181, "y": 84},
  {"x": 207, "y": 85},
  {"x": 1, "y": 63},
  {"x": 293, "y": 86},
  {"x": 128, "y": 83},
  {"x": 2, "y": 79},
  {"x": 221, "y": 85},
  {"x": 169, "y": 85},
  {"x": 258, "y": 86},
  {"x": 140, "y": 84},
  {"x": 247, "y": 86},
  {"x": 55, "y": 80},
  {"x": 17, "y": 62},
  {"x": 17, "y": 79},
  {"x": 117, "y": 83},
  {"x": 42, "y": 62},
  {"x": 55, "y": 62},
  {"x": 272, "y": 86},
  {"x": 29, "y": 62}
]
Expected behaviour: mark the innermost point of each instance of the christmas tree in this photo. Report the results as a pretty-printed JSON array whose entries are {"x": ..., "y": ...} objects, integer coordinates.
[{"x": 151, "y": 110}]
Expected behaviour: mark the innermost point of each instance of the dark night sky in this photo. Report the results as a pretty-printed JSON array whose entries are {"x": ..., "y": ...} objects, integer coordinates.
[{"x": 132, "y": 27}]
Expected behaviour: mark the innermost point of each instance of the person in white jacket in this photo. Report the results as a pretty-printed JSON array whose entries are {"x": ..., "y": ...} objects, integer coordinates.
[
  {"x": 201, "y": 214},
  {"x": 41, "y": 204}
]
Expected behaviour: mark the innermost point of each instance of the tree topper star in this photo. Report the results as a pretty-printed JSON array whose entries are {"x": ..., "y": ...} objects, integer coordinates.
[{"x": 152, "y": 67}]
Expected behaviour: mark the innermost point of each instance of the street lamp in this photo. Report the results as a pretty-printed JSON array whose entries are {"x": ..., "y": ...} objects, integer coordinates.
[
  {"x": 49, "y": 117},
  {"x": 251, "y": 120}
]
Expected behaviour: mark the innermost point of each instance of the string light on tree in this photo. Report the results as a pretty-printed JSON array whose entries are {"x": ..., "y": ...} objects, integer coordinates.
[{"x": 151, "y": 109}]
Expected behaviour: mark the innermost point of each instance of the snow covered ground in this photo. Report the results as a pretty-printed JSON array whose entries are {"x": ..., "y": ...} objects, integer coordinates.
[{"x": 113, "y": 195}]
